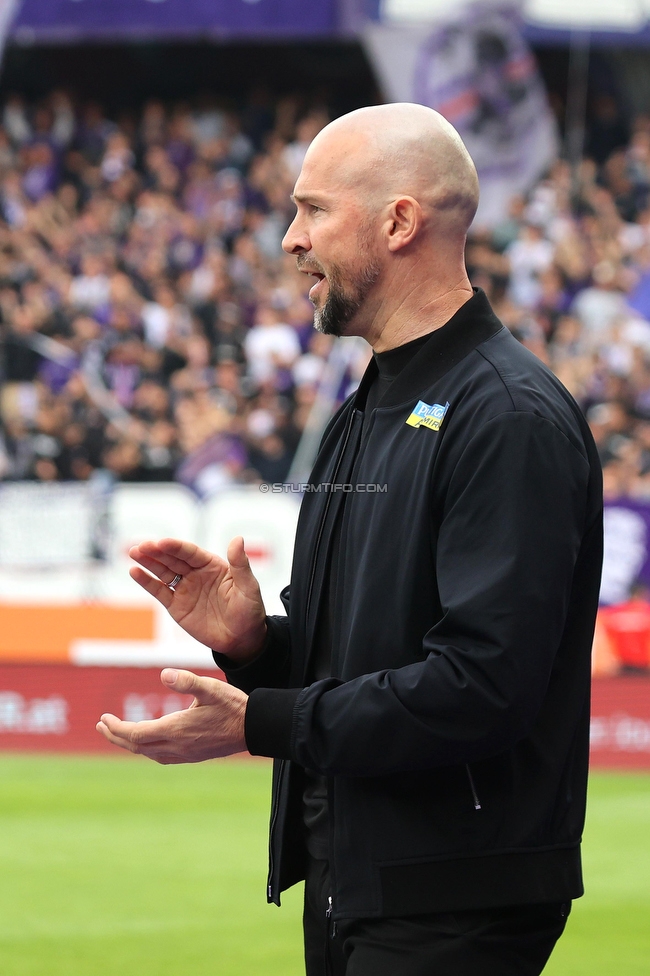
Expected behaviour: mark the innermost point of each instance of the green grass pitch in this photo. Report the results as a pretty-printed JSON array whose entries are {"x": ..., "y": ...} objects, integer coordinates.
[{"x": 119, "y": 867}]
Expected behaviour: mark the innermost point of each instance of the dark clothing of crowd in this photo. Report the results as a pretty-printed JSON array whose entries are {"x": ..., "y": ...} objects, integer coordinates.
[{"x": 152, "y": 327}]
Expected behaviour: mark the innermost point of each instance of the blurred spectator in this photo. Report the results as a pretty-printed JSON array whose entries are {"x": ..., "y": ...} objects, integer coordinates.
[
  {"x": 148, "y": 316},
  {"x": 602, "y": 303},
  {"x": 90, "y": 289},
  {"x": 151, "y": 325},
  {"x": 607, "y": 131},
  {"x": 306, "y": 130},
  {"x": 271, "y": 346},
  {"x": 529, "y": 256}
]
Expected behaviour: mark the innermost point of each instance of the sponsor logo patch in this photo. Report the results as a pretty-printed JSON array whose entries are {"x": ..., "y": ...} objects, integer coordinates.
[{"x": 429, "y": 415}]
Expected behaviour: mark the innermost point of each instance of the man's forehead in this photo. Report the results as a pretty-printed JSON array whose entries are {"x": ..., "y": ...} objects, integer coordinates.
[
  {"x": 328, "y": 175},
  {"x": 314, "y": 182},
  {"x": 315, "y": 172}
]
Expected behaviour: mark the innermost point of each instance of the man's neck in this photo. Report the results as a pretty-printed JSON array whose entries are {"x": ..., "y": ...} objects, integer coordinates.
[
  {"x": 419, "y": 293},
  {"x": 411, "y": 318}
]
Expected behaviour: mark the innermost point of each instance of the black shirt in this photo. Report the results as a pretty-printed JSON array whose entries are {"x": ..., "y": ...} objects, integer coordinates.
[{"x": 315, "y": 814}]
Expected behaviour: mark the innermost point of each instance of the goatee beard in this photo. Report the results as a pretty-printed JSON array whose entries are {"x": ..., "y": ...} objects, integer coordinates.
[{"x": 340, "y": 308}]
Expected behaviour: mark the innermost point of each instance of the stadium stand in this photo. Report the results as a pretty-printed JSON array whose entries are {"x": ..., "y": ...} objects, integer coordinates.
[{"x": 152, "y": 328}]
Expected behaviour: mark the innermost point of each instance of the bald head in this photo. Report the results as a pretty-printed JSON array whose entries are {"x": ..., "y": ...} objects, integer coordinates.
[
  {"x": 384, "y": 200},
  {"x": 385, "y": 151}
]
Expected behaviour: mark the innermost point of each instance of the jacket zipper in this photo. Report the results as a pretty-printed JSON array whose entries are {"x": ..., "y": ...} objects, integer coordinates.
[
  {"x": 328, "y": 961},
  {"x": 477, "y": 802},
  {"x": 274, "y": 817},
  {"x": 328, "y": 916},
  {"x": 321, "y": 527}
]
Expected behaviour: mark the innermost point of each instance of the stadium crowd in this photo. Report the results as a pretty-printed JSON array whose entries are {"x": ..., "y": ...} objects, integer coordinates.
[{"x": 152, "y": 327}]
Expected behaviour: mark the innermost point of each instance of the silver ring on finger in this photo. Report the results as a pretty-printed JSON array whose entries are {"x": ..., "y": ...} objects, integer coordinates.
[{"x": 174, "y": 583}]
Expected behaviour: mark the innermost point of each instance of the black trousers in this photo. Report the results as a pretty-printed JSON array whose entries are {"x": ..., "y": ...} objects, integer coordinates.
[{"x": 495, "y": 942}]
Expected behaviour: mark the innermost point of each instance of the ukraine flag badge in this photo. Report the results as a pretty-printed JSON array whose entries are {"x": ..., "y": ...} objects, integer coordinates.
[{"x": 429, "y": 415}]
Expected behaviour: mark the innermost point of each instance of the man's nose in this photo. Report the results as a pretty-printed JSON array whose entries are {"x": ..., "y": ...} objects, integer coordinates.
[{"x": 296, "y": 240}]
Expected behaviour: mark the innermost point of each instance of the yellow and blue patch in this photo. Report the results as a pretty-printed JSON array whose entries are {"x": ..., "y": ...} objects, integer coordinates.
[{"x": 429, "y": 415}]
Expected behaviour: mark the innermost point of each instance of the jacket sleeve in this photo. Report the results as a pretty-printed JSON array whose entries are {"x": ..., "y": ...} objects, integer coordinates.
[
  {"x": 270, "y": 669},
  {"x": 513, "y": 519}
]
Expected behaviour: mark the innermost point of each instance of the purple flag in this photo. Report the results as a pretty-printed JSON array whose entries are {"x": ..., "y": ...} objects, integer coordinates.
[
  {"x": 70, "y": 20},
  {"x": 473, "y": 66}
]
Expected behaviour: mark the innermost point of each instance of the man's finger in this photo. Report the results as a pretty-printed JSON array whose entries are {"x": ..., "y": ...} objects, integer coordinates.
[
  {"x": 117, "y": 726},
  {"x": 139, "y": 733},
  {"x": 153, "y": 550},
  {"x": 163, "y": 572},
  {"x": 240, "y": 566},
  {"x": 205, "y": 690},
  {"x": 154, "y": 560},
  {"x": 160, "y": 751},
  {"x": 161, "y": 592},
  {"x": 188, "y": 552},
  {"x": 115, "y": 739}
]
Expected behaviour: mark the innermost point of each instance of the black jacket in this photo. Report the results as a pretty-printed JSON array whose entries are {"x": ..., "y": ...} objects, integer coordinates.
[{"x": 454, "y": 733}]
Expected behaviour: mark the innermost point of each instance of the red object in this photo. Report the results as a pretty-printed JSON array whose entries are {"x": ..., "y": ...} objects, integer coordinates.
[
  {"x": 628, "y": 627},
  {"x": 54, "y": 707},
  {"x": 620, "y": 723}
]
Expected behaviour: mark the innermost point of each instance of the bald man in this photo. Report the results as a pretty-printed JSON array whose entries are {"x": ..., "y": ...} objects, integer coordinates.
[{"x": 426, "y": 698}]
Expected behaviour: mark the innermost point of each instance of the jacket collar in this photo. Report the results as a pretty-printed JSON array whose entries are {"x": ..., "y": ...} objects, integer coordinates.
[{"x": 472, "y": 324}]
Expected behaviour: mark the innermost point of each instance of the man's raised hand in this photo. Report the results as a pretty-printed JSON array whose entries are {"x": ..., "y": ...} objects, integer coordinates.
[{"x": 217, "y": 601}]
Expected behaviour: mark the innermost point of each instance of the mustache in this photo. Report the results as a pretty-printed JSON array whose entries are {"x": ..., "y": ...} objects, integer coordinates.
[{"x": 303, "y": 260}]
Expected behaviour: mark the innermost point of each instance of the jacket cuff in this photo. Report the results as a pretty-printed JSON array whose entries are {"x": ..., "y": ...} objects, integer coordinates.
[
  {"x": 228, "y": 666},
  {"x": 270, "y": 668},
  {"x": 268, "y": 721}
]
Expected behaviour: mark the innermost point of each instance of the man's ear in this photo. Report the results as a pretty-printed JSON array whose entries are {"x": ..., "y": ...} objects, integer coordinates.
[{"x": 405, "y": 221}]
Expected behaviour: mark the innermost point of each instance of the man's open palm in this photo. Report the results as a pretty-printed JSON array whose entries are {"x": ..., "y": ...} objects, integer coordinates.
[{"x": 217, "y": 602}]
